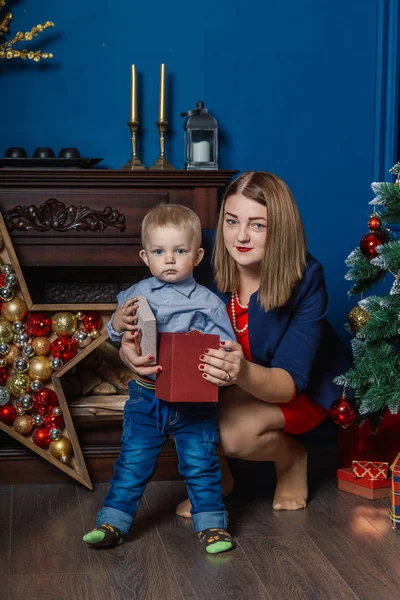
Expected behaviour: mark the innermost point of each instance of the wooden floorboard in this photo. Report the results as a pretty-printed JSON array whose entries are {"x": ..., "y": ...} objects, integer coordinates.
[{"x": 341, "y": 547}]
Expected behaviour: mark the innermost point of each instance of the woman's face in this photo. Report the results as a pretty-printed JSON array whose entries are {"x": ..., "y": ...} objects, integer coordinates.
[{"x": 245, "y": 231}]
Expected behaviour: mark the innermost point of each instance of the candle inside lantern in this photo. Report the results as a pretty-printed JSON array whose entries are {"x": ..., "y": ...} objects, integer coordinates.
[
  {"x": 133, "y": 94},
  {"x": 201, "y": 151},
  {"x": 161, "y": 108}
]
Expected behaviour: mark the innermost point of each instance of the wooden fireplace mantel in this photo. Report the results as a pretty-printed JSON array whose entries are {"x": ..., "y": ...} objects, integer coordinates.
[
  {"x": 91, "y": 219},
  {"x": 57, "y": 216}
]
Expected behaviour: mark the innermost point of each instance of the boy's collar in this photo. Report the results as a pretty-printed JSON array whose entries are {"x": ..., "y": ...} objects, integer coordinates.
[{"x": 185, "y": 287}]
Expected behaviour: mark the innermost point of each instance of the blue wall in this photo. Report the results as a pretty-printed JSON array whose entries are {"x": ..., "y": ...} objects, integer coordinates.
[{"x": 291, "y": 82}]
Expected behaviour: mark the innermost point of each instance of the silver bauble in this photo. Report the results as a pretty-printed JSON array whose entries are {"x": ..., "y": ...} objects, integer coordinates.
[
  {"x": 4, "y": 348},
  {"x": 35, "y": 385},
  {"x": 6, "y": 293},
  {"x": 56, "y": 363},
  {"x": 65, "y": 459},
  {"x": 18, "y": 326},
  {"x": 20, "y": 339},
  {"x": 57, "y": 411},
  {"x": 7, "y": 269},
  {"x": 82, "y": 338},
  {"x": 4, "y": 396},
  {"x": 26, "y": 401},
  {"x": 11, "y": 279},
  {"x": 28, "y": 351},
  {"x": 20, "y": 410},
  {"x": 38, "y": 419},
  {"x": 55, "y": 434},
  {"x": 21, "y": 364}
]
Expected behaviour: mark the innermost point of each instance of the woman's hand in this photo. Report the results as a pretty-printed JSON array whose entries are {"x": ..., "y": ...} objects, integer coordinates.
[
  {"x": 223, "y": 367},
  {"x": 131, "y": 357},
  {"x": 125, "y": 318}
]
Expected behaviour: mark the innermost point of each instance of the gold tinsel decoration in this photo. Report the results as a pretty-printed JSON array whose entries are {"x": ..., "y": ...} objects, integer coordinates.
[
  {"x": 6, "y": 48},
  {"x": 357, "y": 318}
]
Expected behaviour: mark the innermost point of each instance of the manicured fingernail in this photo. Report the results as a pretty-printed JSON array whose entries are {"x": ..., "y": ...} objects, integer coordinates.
[
  {"x": 201, "y": 367},
  {"x": 204, "y": 375},
  {"x": 222, "y": 343},
  {"x": 150, "y": 357},
  {"x": 159, "y": 369},
  {"x": 202, "y": 357},
  {"x": 206, "y": 351}
]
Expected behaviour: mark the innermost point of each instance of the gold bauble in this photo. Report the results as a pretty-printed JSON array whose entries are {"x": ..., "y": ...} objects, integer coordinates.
[
  {"x": 23, "y": 424},
  {"x": 12, "y": 355},
  {"x": 41, "y": 346},
  {"x": 6, "y": 331},
  {"x": 79, "y": 315},
  {"x": 60, "y": 447},
  {"x": 18, "y": 384},
  {"x": 15, "y": 310},
  {"x": 65, "y": 459},
  {"x": 357, "y": 318},
  {"x": 94, "y": 334},
  {"x": 64, "y": 323},
  {"x": 40, "y": 368}
]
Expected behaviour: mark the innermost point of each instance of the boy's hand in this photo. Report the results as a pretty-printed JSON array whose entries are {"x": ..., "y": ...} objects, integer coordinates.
[
  {"x": 130, "y": 357},
  {"x": 125, "y": 318}
]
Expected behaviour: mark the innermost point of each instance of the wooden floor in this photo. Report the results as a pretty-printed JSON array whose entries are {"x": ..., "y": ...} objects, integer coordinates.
[{"x": 340, "y": 547}]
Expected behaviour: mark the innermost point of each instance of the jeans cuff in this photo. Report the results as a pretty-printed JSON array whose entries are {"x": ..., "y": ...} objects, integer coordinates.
[
  {"x": 114, "y": 517},
  {"x": 206, "y": 520}
]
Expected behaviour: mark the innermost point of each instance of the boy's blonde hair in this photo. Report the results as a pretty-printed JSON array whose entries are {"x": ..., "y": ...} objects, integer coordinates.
[
  {"x": 285, "y": 252},
  {"x": 172, "y": 215}
]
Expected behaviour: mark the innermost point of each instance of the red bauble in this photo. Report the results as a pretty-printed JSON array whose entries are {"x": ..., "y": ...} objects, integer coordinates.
[
  {"x": 64, "y": 347},
  {"x": 8, "y": 414},
  {"x": 3, "y": 375},
  {"x": 91, "y": 321},
  {"x": 38, "y": 324},
  {"x": 343, "y": 411},
  {"x": 53, "y": 421},
  {"x": 44, "y": 400},
  {"x": 374, "y": 223},
  {"x": 370, "y": 241},
  {"x": 41, "y": 437}
]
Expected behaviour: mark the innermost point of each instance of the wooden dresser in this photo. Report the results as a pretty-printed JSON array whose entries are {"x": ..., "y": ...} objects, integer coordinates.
[{"x": 77, "y": 236}]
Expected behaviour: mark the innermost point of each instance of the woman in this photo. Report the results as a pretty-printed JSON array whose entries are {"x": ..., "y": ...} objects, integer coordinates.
[{"x": 278, "y": 375}]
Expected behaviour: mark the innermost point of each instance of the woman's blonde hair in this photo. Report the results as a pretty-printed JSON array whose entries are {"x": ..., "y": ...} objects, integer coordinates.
[
  {"x": 172, "y": 215},
  {"x": 285, "y": 252}
]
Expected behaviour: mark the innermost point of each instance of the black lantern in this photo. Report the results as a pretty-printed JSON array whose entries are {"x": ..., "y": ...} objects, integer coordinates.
[{"x": 201, "y": 139}]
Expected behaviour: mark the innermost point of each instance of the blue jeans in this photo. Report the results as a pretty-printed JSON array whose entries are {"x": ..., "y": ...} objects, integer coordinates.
[{"x": 195, "y": 429}]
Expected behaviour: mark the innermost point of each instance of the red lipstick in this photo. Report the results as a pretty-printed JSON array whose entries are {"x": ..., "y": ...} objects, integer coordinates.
[{"x": 243, "y": 249}]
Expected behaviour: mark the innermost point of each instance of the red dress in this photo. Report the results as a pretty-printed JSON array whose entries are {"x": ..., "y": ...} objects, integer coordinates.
[{"x": 301, "y": 414}]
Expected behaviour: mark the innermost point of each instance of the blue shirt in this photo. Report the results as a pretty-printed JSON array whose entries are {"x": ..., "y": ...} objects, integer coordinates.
[{"x": 180, "y": 307}]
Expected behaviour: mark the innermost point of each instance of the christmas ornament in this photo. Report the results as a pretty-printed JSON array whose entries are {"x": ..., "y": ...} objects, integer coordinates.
[
  {"x": 6, "y": 331},
  {"x": 18, "y": 384},
  {"x": 20, "y": 410},
  {"x": 7, "y": 414},
  {"x": 23, "y": 424},
  {"x": 15, "y": 310},
  {"x": 61, "y": 446},
  {"x": 28, "y": 351},
  {"x": 370, "y": 241},
  {"x": 374, "y": 223},
  {"x": 54, "y": 434},
  {"x": 18, "y": 326},
  {"x": 52, "y": 421},
  {"x": 20, "y": 339},
  {"x": 357, "y": 318},
  {"x": 11, "y": 279},
  {"x": 44, "y": 400},
  {"x": 81, "y": 338},
  {"x": 38, "y": 419},
  {"x": 56, "y": 363},
  {"x": 79, "y": 315},
  {"x": 21, "y": 364},
  {"x": 4, "y": 348},
  {"x": 12, "y": 353},
  {"x": 343, "y": 411},
  {"x": 64, "y": 323},
  {"x": 94, "y": 333},
  {"x": 57, "y": 411},
  {"x": 40, "y": 368},
  {"x": 38, "y": 324},
  {"x": 6, "y": 293},
  {"x": 91, "y": 321},
  {"x": 3, "y": 375},
  {"x": 41, "y": 345},
  {"x": 7, "y": 268},
  {"x": 4, "y": 396},
  {"x": 64, "y": 348},
  {"x": 41, "y": 437},
  {"x": 26, "y": 401},
  {"x": 65, "y": 459},
  {"x": 36, "y": 385}
]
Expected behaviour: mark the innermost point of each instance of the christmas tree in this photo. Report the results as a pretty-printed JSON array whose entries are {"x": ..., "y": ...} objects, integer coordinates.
[{"x": 375, "y": 322}]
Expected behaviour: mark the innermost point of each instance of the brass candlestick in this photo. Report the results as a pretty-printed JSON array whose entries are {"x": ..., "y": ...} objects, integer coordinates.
[
  {"x": 134, "y": 164},
  {"x": 161, "y": 163}
]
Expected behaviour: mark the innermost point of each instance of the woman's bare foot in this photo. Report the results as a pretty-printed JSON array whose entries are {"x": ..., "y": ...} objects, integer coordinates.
[
  {"x": 291, "y": 489},
  {"x": 183, "y": 509}
]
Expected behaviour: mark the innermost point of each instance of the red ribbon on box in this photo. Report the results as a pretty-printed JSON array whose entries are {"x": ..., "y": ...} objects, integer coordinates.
[{"x": 370, "y": 469}]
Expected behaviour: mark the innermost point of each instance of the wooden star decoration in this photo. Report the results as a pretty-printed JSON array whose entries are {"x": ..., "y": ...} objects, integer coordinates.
[{"x": 30, "y": 364}]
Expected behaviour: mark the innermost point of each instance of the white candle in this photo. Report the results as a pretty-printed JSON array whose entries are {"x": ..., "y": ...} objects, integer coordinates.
[
  {"x": 133, "y": 94},
  {"x": 201, "y": 151}
]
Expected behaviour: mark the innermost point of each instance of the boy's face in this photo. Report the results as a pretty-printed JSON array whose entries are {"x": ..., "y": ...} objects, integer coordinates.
[{"x": 170, "y": 253}]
